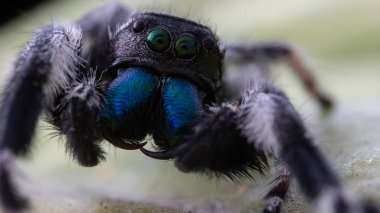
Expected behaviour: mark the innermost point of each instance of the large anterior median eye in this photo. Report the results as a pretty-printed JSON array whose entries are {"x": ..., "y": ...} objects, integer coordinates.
[
  {"x": 158, "y": 40},
  {"x": 186, "y": 46}
]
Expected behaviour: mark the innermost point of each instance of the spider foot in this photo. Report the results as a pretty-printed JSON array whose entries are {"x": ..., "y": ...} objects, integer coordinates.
[
  {"x": 11, "y": 200},
  {"x": 273, "y": 205}
]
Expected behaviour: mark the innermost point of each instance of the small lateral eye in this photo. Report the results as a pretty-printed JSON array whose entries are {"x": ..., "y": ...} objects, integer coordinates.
[
  {"x": 138, "y": 26},
  {"x": 158, "y": 40},
  {"x": 186, "y": 46},
  {"x": 209, "y": 43}
]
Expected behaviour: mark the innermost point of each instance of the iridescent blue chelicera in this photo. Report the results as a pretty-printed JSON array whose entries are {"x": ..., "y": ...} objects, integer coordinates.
[
  {"x": 132, "y": 87},
  {"x": 124, "y": 102},
  {"x": 182, "y": 103}
]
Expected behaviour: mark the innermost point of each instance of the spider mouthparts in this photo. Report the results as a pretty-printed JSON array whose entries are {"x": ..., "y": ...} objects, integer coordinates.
[
  {"x": 160, "y": 155},
  {"x": 127, "y": 146}
]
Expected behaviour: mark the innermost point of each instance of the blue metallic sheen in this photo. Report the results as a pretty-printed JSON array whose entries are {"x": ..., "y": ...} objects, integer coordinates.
[
  {"x": 132, "y": 87},
  {"x": 181, "y": 103}
]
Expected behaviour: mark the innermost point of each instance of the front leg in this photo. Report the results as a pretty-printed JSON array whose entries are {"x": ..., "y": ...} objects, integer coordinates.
[
  {"x": 271, "y": 124},
  {"x": 231, "y": 140},
  {"x": 45, "y": 69},
  {"x": 218, "y": 147},
  {"x": 47, "y": 64},
  {"x": 78, "y": 121}
]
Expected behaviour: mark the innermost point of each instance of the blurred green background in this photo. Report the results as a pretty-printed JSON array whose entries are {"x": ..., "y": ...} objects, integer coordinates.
[{"x": 340, "y": 40}]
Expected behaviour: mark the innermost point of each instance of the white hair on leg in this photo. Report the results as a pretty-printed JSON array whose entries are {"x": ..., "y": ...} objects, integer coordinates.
[
  {"x": 258, "y": 121},
  {"x": 65, "y": 59}
]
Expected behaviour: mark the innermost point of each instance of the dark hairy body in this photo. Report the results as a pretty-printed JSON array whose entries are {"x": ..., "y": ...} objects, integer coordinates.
[{"x": 116, "y": 76}]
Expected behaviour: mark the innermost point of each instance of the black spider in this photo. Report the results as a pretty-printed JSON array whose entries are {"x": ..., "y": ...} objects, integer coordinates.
[{"x": 120, "y": 76}]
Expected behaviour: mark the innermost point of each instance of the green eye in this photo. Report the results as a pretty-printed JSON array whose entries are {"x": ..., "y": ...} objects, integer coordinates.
[
  {"x": 186, "y": 46},
  {"x": 158, "y": 40}
]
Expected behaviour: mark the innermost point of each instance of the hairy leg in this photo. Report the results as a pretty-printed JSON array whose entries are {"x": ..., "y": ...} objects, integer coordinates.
[
  {"x": 267, "y": 123},
  {"x": 48, "y": 65},
  {"x": 272, "y": 124},
  {"x": 268, "y": 52},
  {"x": 78, "y": 121},
  {"x": 99, "y": 27},
  {"x": 45, "y": 66},
  {"x": 280, "y": 185},
  {"x": 218, "y": 147}
]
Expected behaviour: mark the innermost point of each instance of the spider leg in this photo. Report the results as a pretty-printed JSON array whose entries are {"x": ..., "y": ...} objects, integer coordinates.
[
  {"x": 231, "y": 140},
  {"x": 264, "y": 52},
  {"x": 99, "y": 27},
  {"x": 45, "y": 69},
  {"x": 45, "y": 66},
  {"x": 271, "y": 123},
  {"x": 78, "y": 118},
  {"x": 276, "y": 196},
  {"x": 217, "y": 147},
  {"x": 78, "y": 122}
]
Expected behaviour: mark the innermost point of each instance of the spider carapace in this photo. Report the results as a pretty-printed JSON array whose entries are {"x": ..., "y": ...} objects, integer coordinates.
[{"x": 161, "y": 88}]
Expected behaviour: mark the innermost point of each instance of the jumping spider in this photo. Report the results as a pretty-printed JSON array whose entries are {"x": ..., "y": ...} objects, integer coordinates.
[{"x": 116, "y": 76}]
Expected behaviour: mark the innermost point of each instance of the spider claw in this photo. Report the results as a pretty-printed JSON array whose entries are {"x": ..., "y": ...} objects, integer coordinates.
[
  {"x": 160, "y": 155},
  {"x": 127, "y": 146}
]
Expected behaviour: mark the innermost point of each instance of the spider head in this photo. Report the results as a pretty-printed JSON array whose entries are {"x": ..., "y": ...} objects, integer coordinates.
[
  {"x": 164, "y": 70},
  {"x": 169, "y": 46}
]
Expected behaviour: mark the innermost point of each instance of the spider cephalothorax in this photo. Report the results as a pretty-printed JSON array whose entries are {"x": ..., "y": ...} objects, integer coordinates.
[
  {"x": 174, "y": 73},
  {"x": 117, "y": 77}
]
